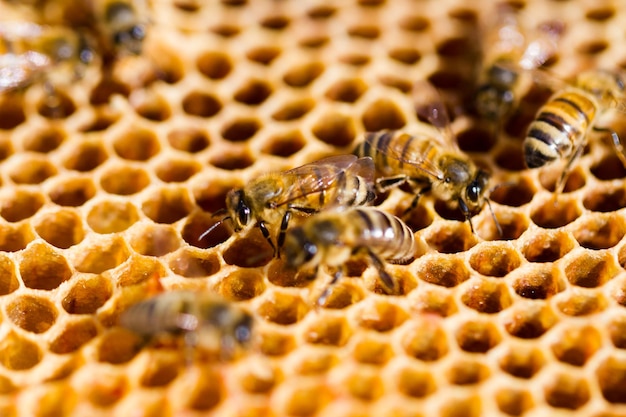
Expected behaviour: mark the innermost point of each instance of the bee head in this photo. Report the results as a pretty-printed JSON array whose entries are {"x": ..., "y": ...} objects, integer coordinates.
[
  {"x": 127, "y": 33},
  {"x": 475, "y": 191},
  {"x": 243, "y": 329},
  {"x": 239, "y": 210},
  {"x": 493, "y": 102},
  {"x": 299, "y": 249}
]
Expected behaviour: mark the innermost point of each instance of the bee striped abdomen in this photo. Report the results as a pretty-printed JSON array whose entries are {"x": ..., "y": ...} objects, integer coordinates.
[
  {"x": 559, "y": 128},
  {"x": 386, "y": 235}
]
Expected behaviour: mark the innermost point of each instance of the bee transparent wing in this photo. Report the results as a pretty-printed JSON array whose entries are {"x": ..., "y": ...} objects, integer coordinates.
[
  {"x": 13, "y": 31},
  {"x": 429, "y": 106},
  {"x": 543, "y": 46},
  {"x": 315, "y": 177},
  {"x": 364, "y": 168},
  {"x": 403, "y": 152},
  {"x": 19, "y": 70}
]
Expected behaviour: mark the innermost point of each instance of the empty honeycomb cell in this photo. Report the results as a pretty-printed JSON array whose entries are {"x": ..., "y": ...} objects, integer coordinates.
[
  {"x": 198, "y": 224},
  {"x": 419, "y": 218},
  {"x": 275, "y": 22},
  {"x": 514, "y": 402},
  {"x": 111, "y": 216},
  {"x": 154, "y": 240},
  {"x": 160, "y": 369},
  {"x": 576, "y": 179},
  {"x": 176, "y": 170},
  {"x": 242, "y": 285},
  {"x": 522, "y": 361},
  {"x": 257, "y": 377},
  {"x": 547, "y": 245},
  {"x": 321, "y": 12},
  {"x": 214, "y": 65},
  {"x": 436, "y": 300},
  {"x": 18, "y": 353},
  {"x": 579, "y": 303},
  {"x": 201, "y": 104},
  {"x": 415, "y": 382},
  {"x": 253, "y": 92},
  {"x": 241, "y": 129},
  {"x": 346, "y": 90},
  {"x": 12, "y": 112},
  {"x": 282, "y": 308},
  {"x": 444, "y": 79},
  {"x": 477, "y": 336},
  {"x": 101, "y": 254},
  {"x": 567, "y": 391},
  {"x": 590, "y": 269},
  {"x": 555, "y": 213},
  {"x": 381, "y": 316},
  {"x": 316, "y": 361},
  {"x": 167, "y": 205},
  {"x": 137, "y": 144},
  {"x": 8, "y": 275},
  {"x": 600, "y": 12},
  {"x": 462, "y": 407},
  {"x": 335, "y": 129},
  {"x": 475, "y": 139},
  {"x": 72, "y": 191},
  {"x": 446, "y": 271},
  {"x": 124, "y": 180},
  {"x": 372, "y": 352},
  {"x": 31, "y": 170},
  {"x": 355, "y": 59},
  {"x": 494, "y": 259},
  {"x": 487, "y": 297},
  {"x": 62, "y": 228},
  {"x": 117, "y": 346},
  {"x": 303, "y": 399},
  {"x": 593, "y": 47},
  {"x": 85, "y": 156},
  {"x": 226, "y": 30},
  {"x": 575, "y": 345},
  {"x": 188, "y": 139},
  {"x": 73, "y": 336},
  {"x": 363, "y": 31},
  {"x": 611, "y": 375},
  {"x": 233, "y": 160},
  {"x": 105, "y": 89},
  {"x": 450, "y": 238},
  {"x": 293, "y": 110},
  {"x": 150, "y": 405},
  {"x": 31, "y": 313},
  {"x": 263, "y": 55},
  {"x": 43, "y": 268},
  {"x": 15, "y": 237},
  {"x": 414, "y": 23},
  {"x": 194, "y": 264},
  {"x": 6, "y": 386},
  {"x": 280, "y": 274},
  {"x": 103, "y": 391},
  {"x": 56, "y": 106},
  {"x": 605, "y": 199},
  {"x": 426, "y": 340},
  {"x": 365, "y": 385},
  {"x": 511, "y": 159},
  {"x": 328, "y": 330},
  {"x": 314, "y": 40},
  {"x": 101, "y": 121},
  {"x": 138, "y": 269},
  {"x": 273, "y": 343},
  {"x": 284, "y": 144},
  {"x": 249, "y": 251},
  {"x": 529, "y": 320},
  {"x": 303, "y": 75},
  {"x": 150, "y": 105},
  {"x": 608, "y": 168},
  {"x": 408, "y": 56},
  {"x": 44, "y": 140},
  {"x": 382, "y": 114},
  {"x": 467, "y": 372},
  {"x": 537, "y": 281},
  {"x": 87, "y": 295},
  {"x": 600, "y": 230},
  {"x": 617, "y": 331}
]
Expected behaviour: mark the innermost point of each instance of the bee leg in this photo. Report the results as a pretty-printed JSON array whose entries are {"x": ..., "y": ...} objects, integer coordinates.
[
  {"x": 467, "y": 214},
  {"x": 283, "y": 230},
  {"x": 266, "y": 235},
  {"x": 391, "y": 286},
  {"x": 617, "y": 144},
  {"x": 321, "y": 300},
  {"x": 560, "y": 185},
  {"x": 416, "y": 199},
  {"x": 385, "y": 184}
]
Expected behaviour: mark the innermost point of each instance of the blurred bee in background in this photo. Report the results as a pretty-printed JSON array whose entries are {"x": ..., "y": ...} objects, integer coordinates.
[
  {"x": 509, "y": 53},
  {"x": 428, "y": 163},
  {"x": 272, "y": 198},
  {"x": 562, "y": 125},
  {"x": 333, "y": 237},
  {"x": 202, "y": 318},
  {"x": 31, "y": 52}
]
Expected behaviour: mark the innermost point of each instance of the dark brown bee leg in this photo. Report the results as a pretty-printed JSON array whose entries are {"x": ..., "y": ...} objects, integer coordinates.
[
  {"x": 560, "y": 185},
  {"x": 617, "y": 144},
  {"x": 416, "y": 199},
  {"x": 321, "y": 300},
  {"x": 385, "y": 184},
  {"x": 266, "y": 235},
  {"x": 466, "y": 214},
  {"x": 390, "y": 285},
  {"x": 284, "y": 224}
]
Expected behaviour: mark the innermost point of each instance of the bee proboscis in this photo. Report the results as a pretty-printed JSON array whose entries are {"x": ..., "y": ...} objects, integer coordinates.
[
  {"x": 193, "y": 315},
  {"x": 270, "y": 199},
  {"x": 332, "y": 237}
]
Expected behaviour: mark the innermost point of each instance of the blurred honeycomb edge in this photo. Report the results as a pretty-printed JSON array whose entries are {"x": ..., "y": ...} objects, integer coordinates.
[{"x": 103, "y": 203}]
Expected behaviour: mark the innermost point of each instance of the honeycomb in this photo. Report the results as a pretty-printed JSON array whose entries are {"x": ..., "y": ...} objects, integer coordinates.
[{"x": 102, "y": 202}]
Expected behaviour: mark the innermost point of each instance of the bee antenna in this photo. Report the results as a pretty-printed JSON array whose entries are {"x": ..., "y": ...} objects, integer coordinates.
[
  {"x": 213, "y": 227},
  {"x": 495, "y": 219}
]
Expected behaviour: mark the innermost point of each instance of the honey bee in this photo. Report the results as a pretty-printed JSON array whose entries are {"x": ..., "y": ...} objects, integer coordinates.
[
  {"x": 333, "y": 237},
  {"x": 270, "y": 199},
  {"x": 428, "y": 163},
  {"x": 510, "y": 53},
  {"x": 562, "y": 125},
  {"x": 31, "y": 52},
  {"x": 192, "y": 315}
]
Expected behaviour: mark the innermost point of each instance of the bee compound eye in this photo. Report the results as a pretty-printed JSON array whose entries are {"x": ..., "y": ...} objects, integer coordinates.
[{"x": 138, "y": 32}]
